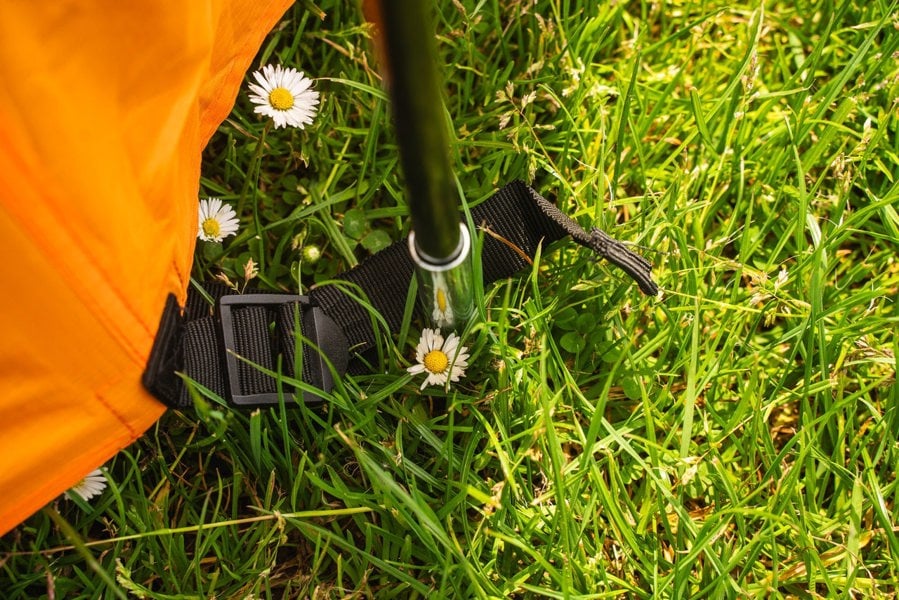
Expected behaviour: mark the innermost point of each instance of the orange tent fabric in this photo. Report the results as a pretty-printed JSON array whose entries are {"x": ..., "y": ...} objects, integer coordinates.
[{"x": 104, "y": 111}]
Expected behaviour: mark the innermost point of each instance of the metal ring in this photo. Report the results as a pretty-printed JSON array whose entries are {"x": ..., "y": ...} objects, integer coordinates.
[{"x": 460, "y": 257}]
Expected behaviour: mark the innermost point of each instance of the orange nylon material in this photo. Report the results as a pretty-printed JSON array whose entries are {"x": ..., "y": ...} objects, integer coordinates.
[{"x": 104, "y": 112}]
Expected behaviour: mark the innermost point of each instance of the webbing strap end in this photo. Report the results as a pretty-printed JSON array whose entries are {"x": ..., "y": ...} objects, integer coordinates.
[{"x": 160, "y": 376}]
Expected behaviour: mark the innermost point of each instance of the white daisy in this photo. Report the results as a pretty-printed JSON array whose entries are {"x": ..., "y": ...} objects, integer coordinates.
[
  {"x": 217, "y": 220},
  {"x": 440, "y": 359},
  {"x": 443, "y": 311},
  {"x": 92, "y": 485},
  {"x": 285, "y": 95}
]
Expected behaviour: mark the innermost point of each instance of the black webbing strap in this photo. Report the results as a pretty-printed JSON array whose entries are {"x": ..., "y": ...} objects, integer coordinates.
[{"x": 215, "y": 345}]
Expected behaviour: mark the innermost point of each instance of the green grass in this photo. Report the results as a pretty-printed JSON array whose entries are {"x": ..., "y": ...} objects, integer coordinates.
[{"x": 737, "y": 438}]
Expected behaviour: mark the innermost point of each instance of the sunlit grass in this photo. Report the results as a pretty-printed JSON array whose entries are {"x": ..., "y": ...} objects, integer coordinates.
[{"x": 735, "y": 438}]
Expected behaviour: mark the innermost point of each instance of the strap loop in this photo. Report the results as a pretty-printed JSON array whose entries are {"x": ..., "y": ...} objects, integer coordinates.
[
  {"x": 261, "y": 327},
  {"x": 221, "y": 350}
]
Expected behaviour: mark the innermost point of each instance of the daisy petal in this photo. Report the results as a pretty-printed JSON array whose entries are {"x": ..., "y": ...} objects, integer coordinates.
[
  {"x": 216, "y": 221},
  {"x": 447, "y": 357},
  {"x": 296, "y": 109}
]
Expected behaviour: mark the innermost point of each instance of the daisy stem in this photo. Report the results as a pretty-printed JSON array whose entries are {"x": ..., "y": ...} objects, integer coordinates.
[{"x": 253, "y": 174}]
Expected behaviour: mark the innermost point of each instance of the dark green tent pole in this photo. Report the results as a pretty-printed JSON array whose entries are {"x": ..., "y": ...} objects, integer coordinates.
[
  {"x": 439, "y": 245},
  {"x": 412, "y": 79}
]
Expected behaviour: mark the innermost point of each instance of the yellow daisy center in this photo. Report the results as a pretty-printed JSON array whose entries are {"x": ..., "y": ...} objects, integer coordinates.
[
  {"x": 281, "y": 98},
  {"x": 441, "y": 300},
  {"x": 211, "y": 227},
  {"x": 436, "y": 361}
]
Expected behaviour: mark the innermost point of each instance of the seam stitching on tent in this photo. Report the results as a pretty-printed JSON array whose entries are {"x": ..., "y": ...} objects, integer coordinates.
[{"x": 121, "y": 419}]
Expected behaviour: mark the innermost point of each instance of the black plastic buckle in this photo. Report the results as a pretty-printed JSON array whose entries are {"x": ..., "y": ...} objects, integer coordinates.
[{"x": 317, "y": 327}]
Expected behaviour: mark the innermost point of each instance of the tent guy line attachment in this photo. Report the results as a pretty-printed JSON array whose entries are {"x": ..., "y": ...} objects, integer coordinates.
[{"x": 256, "y": 349}]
